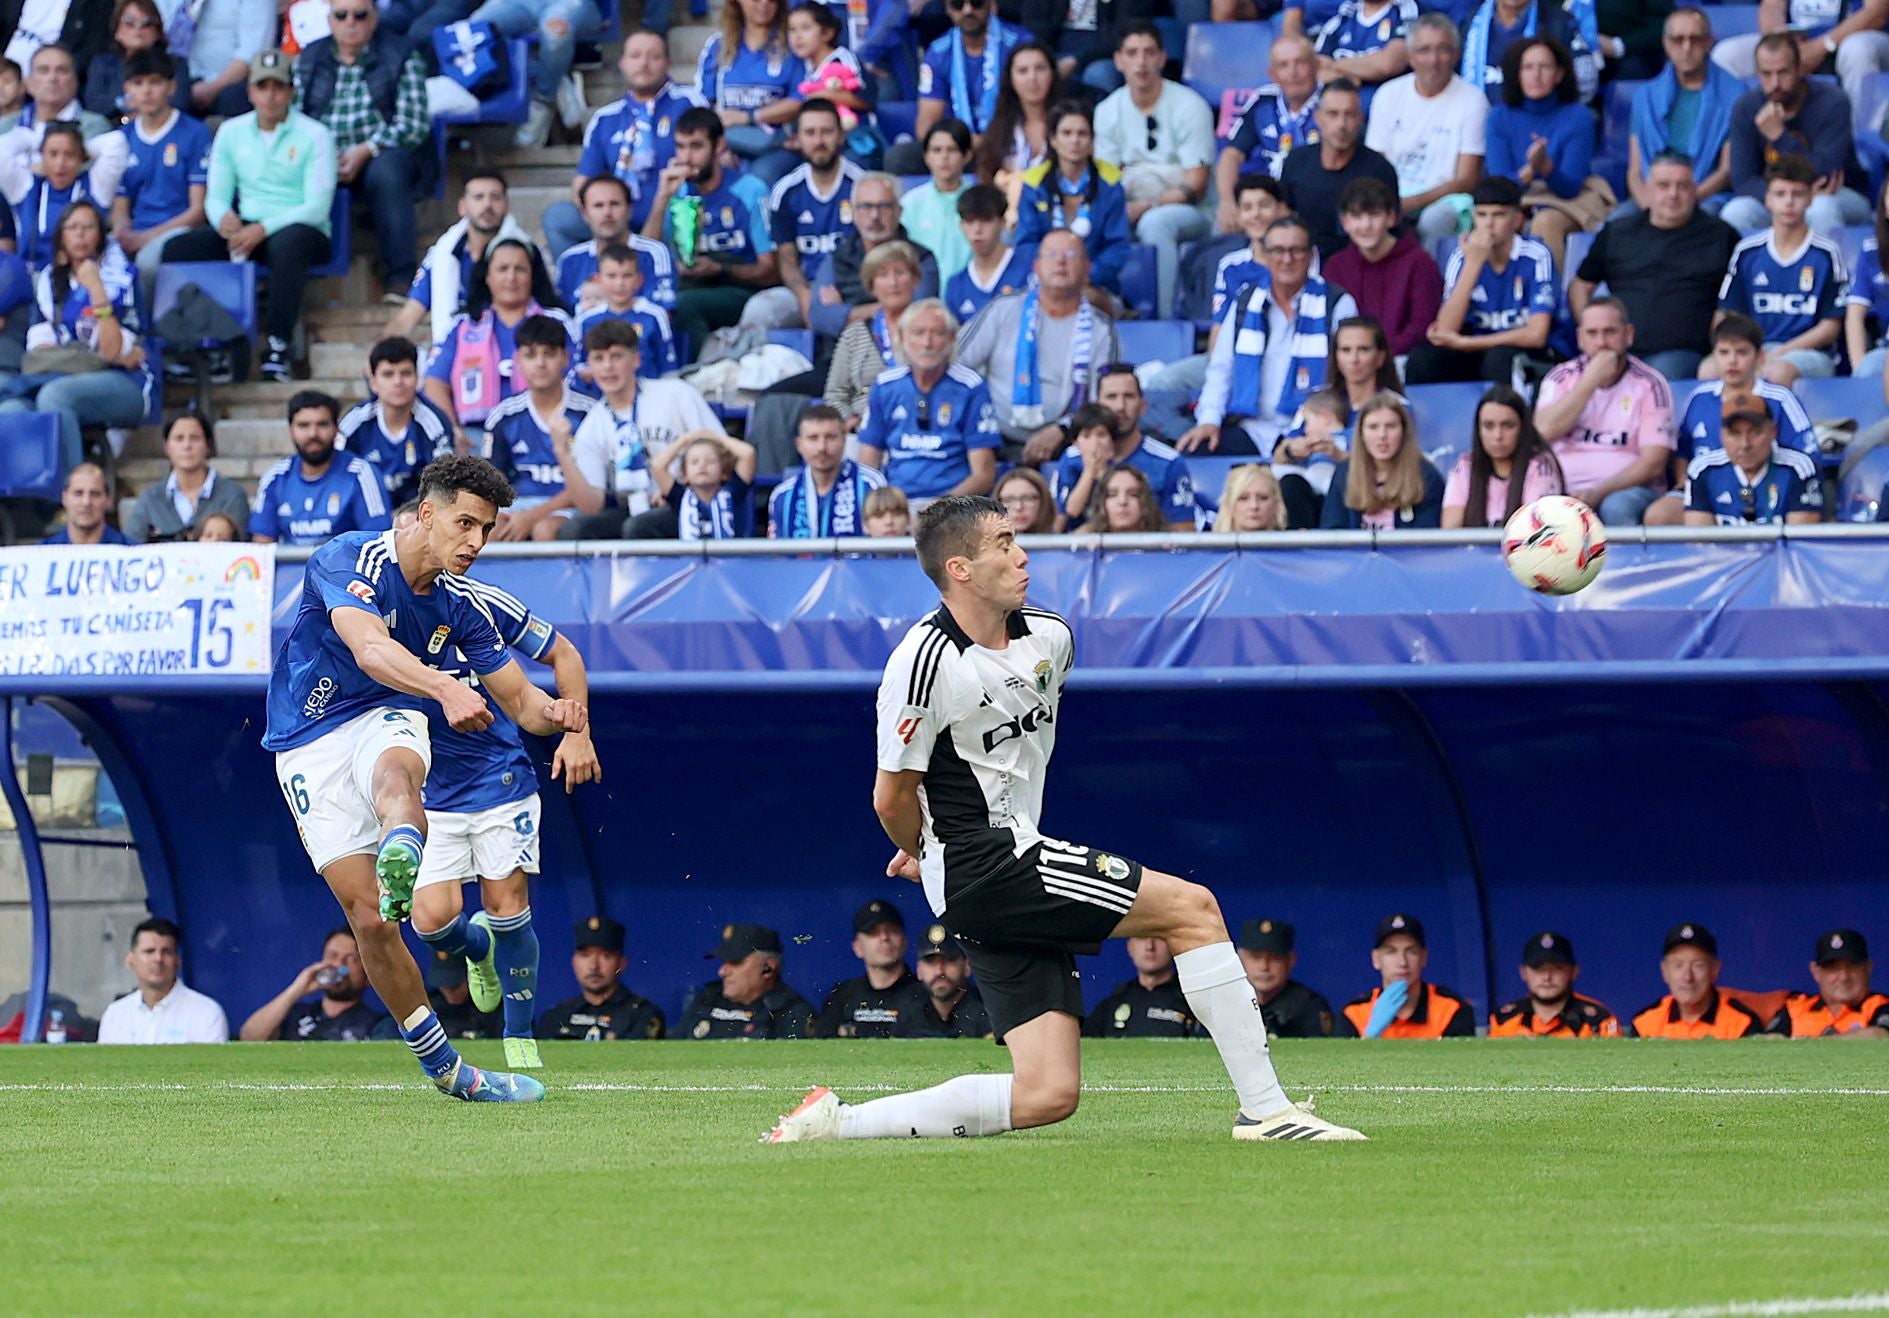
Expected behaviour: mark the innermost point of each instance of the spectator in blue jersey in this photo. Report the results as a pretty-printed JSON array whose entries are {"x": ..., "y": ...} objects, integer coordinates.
[
  {"x": 1282, "y": 115},
  {"x": 558, "y": 24},
  {"x": 368, "y": 87},
  {"x": 870, "y": 347},
  {"x": 181, "y": 504},
  {"x": 1492, "y": 31},
  {"x": 85, "y": 502},
  {"x": 1687, "y": 108},
  {"x": 1500, "y": 295},
  {"x": 1844, "y": 37},
  {"x": 1790, "y": 279},
  {"x": 321, "y": 493},
  {"x": 631, "y": 138},
  {"x": 1271, "y": 351},
  {"x": 166, "y": 169},
  {"x": 752, "y": 81},
  {"x": 995, "y": 268},
  {"x": 470, "y": 371},
  {"x": 528, "y": 436},
  {"x": 1083, "y": 470},
  {"x": 1737, "y": 356},
  {"x": 1539, "y": 136},
  {"x": 1073, "y": 190},
  {"x": 730, "y": 253},
  {"x": 397, "y": 428},
  {"x": 1386, "y": 484},
  {"x": 438, "y": 295},
  {"x": 960, "y": 75},
  {"x": 841, "y": 294},
  {"x": 606, "y": 202},
  {"x": 929, "y": 212},
  {"x": 705, "y": 480},
  {"x": 1866, "y": 305},
  {"x": 87, "y": 297},
  {"x": 929, "y": 425},
  {"x": 826, "y": 494},
  {"x": 809, "y": 210},
  {"x": 136, "y": 26},
  {"x": 1792, "y": 114},
  {"x": 40, "y": 195},
  {"x": 620, "y": 284},
  {"x": 1366, "y": 41},
  {"x": 1750, "y": 479}
]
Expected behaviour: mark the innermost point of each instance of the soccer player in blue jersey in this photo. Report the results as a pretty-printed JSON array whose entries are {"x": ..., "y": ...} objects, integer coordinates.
[
  {"x": 320, "y": 494},
  {"x": 1750, "y": 479},
  {"x": 1500, "y": 294},
  {"x": 1788, "y": 278},
  {"x": 380, "y": 618},
  {"x": 482, "y": 817},
  {"x": 524, "y": 433}
]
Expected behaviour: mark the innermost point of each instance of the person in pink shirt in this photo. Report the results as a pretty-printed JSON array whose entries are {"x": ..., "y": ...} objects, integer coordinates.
[
  {"x": 1482, "y": 489},
  {"x": 1609, "y": 417}
]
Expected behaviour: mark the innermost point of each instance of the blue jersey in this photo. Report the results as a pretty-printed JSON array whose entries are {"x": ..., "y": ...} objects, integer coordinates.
[
  {"x": 1789, "y": 484},
  {"x": 1363, "y": 27},
  {"x": 927, "y": 438},
  {"x": 1870, "y": 288},
  {"x": 398, "y": 459},
  {"x": 753, "y": 80},
  {"x": 347, "y": 496},
  {"x": 964, "y": 83},
  {"x": 518, "y": 444},
  {"x": 1785, "y": 296},
  {"x": 798, "y": 511},
  {"x": 733, "y": 229},
  {"x": 966, "y": 296},
  {"x": 159, "y": 174},
  {"x": 653, "y": 262},
  {"x": 634, "y": 141},
  {"x": 656, "y": 340},
  {"x": 1268, "y": 129},
  {"x": 107, "y": 535},
  {"x": 1164, "y": 467},
  {"x": 799, "y": 217},
  {"x": 36, "y": 216},
  {"x": 1699, "y": 427},
  {"x": 422, "y": 290},
  {"x": 475, "y": 771},
  {"x": 316, "y": 684},
  {"x": 1239, "y": 271},
  {"x": 1504, "y": 300}
]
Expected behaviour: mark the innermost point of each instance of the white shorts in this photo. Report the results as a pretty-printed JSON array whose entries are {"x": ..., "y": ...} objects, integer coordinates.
[
  {"x": 329, "y": 783},
  {"x": 486, "y": 844}
]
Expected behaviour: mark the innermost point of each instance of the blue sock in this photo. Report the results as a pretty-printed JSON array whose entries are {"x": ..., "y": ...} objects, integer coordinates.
[
  {"x": 404, "y": 835},
  {"x": 460, "y": 938},
  {"x": 423, "y": 1034},
  {"x": 517, "y": 961}
]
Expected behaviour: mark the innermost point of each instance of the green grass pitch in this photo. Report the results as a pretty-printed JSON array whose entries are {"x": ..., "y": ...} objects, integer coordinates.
[{"x": 1502, "y": 1178}]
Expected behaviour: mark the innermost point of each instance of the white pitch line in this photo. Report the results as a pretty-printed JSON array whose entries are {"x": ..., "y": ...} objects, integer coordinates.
[
  {"x": 1874, "y": 1303},
  {"x": 627, "y": 1087}
]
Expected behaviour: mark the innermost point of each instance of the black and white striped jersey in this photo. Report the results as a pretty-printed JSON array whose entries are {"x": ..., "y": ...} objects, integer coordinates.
[{"x": 979, "y": 723}]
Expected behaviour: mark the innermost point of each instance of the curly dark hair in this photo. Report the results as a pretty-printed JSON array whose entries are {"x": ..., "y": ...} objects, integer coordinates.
[{"x": 445, "y": 478}]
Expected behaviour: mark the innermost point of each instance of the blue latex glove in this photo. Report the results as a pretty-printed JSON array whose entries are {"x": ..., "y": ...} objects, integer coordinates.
[{"x": 1389, "y": 1003}]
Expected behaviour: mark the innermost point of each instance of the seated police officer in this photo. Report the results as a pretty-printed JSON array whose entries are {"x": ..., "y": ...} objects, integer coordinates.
[
  {"x": 1404, "y": 1006},
  {"x": 1150, "y": 1005},
  {"x": 887, "y": 1001},
  {"x": 1842, "y": 1003},
  {"x": 1693, "y": 1008},
  {"x": 746, "y": 999},
  {"x": 954, "y": 1009},
  {"x": 1552, "y": 1007},
  {"x": 604, "y": 1007},
  {"x": 1291, "y": 1010},
  {"x": 451, "y": 1000}
]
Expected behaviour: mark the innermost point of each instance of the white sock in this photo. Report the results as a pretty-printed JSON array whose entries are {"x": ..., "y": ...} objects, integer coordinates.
[
  {"x": 1216, "y": 987},
  {"x": 967, "y": 1106}
]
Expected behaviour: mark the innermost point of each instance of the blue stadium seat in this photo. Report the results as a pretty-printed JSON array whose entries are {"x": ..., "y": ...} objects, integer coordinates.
[
  {"x": 1155, "y": 340},
  {"x": 1732, "y": 20},
  {"x": 340, "y": 238},
  {"x": 31, "y": 459},
  {"x": 1861, "y": 491},
  {"x": 1446, "y": 415},
  {"x": 511, "y": 105},
  {"x": 898, "y": 120},
  {"x": 1223, "y": 55},
  {"x": 1138, "y": 281},
  {"x": 1841, "y": 398},
  {"x": 229, "y": 284},
  {"x": 1850, "y": 238},
  {"x": 800, "y": 340},
  {"x": 1209, "y": 474}
]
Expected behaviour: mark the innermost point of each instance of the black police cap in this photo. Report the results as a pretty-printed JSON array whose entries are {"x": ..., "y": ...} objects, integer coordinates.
[
  {"x": 740, "y": 941},
  {"x": 600, "y": 931},
  {"x": 1841, "y": 945},
  {"x": 1400, "y": 924},
  {"x": 875, "y": 913},
  {"x": 1273, "y": 936},
  {"x": 1548, "y": 948},
  {"x": 1690, "y": 935}
]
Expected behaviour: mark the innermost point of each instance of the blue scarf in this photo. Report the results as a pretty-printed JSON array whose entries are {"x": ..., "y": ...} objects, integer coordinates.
[
  {"x": 1026, "y": 390},
  {"x": 882, "y": 338},
  {"x": 1475, "y": 67},
  {"x": 843, "y": 512},
  {"x": 1310, "y": 346},
  {"x": 713, "y": 519},
  {"x": 979, "y": 119},
  {"x": 1654, "y": 106}
]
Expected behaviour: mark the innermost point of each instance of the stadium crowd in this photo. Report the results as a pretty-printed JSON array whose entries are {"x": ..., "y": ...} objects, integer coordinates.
[
  {"x": 750, "y": 998},
  {"x": 1417, "y": 197}
]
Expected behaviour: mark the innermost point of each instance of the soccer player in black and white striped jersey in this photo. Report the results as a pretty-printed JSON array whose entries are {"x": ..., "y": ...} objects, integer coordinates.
[{"x": 967, "y": 722}]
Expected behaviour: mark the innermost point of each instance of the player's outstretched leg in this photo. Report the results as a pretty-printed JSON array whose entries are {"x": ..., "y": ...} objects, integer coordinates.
[
  {"x": 1215, "y": 985},
  {"x": 513, "y": 965},
  {"x": 398, "y": 777}
]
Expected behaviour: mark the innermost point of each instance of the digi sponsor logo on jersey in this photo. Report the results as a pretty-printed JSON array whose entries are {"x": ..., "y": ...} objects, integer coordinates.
[
  {"x": 318, "y": 698},
  {"x": 1027, "y": 725},
  {"x": 1784, "y": 304}
]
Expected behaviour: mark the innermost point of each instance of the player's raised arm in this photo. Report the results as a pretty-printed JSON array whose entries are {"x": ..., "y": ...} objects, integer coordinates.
[
  {"x": 530, "y": 708},
  {"x": 391, "y": 664}
]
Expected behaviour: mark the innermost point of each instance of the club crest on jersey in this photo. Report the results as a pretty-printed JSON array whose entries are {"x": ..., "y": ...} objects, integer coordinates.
[
  {"x": 944, "y": 414},
  {"x": 846, "y": 212},
  {"x": 334, "y": 505},
  {"x": 438, "y": 643},
  {"x": 1113, "y": 867},
  {"x": 361, "y": 591},
  {"x": 1806, "y": 279},
  {"x": 1044, "y": 671}
]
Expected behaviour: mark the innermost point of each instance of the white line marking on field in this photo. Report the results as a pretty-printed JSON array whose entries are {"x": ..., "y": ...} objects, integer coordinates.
[
  {"x": 629, "y": 1087},
  {"x": 1876, "y": 1303}
]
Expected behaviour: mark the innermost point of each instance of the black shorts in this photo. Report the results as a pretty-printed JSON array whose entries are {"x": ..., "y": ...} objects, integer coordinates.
[{"x": 1024, "y": 919}]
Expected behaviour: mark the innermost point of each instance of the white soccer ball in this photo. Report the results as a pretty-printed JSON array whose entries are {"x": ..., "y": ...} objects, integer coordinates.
[{"x": 1555, "y": 545}]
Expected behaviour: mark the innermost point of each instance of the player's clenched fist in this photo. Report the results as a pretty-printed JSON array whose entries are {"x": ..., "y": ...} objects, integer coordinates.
[
  {"x": 903, "y": 866},
  {"x": 567, "y": 716},
  {"x": 465, "y": 709}
]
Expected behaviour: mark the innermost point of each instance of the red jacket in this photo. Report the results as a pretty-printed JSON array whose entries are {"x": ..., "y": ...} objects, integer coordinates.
[{"x": 1403, "y": 292}]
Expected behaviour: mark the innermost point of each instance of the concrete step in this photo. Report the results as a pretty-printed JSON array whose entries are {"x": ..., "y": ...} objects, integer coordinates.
[
  {"x": 136, "y": 473},
  {"x": 343, "y": 361},
  {"x": 530, "y": 203},
  {"x": 258, "y": 400},
  {"x": 508, "y": 157}
]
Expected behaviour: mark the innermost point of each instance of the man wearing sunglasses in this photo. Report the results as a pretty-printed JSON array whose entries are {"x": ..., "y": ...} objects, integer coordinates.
[
  {"x": 1160, "y": 134},
  {"x": 961, "y": 75},
  {"x": 369, "y": 88},
  {"x": 1751, "y": 479}
]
